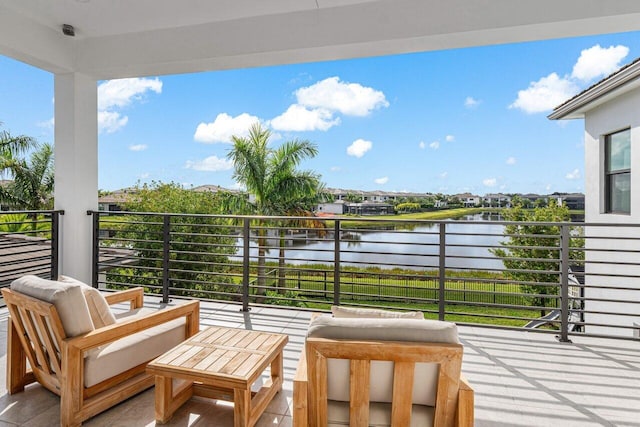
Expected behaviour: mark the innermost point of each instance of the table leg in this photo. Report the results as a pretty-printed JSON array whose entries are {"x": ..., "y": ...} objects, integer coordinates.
[
  {"x": 276, "y": 372},
  {"x": 164, "y": 395},
  {"x": 241, "y": 407}
]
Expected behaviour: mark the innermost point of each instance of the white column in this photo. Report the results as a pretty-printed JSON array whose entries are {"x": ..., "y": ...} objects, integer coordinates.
[{"x": 76, "y": 169}]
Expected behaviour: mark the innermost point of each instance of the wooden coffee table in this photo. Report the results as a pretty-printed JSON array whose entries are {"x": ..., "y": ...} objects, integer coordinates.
[{"x": 220, "y": 363}]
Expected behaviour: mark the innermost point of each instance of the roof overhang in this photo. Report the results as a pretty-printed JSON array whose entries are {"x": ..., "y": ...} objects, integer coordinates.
[
  {"x": 623, "y": 81},
  {"x": 126, "y": 38}
]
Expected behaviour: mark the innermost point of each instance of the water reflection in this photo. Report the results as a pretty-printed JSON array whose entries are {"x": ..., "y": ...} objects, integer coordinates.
[{"x": 467, "y": 246}]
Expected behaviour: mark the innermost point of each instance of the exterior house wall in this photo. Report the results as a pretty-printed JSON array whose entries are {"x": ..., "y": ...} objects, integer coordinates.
[
  {"x": 331, "y": 208},
  {"x": 618, "y": 114}
]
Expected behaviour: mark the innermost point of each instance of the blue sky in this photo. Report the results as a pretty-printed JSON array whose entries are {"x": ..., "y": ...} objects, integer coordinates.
[{"x": 450, "y": 121}]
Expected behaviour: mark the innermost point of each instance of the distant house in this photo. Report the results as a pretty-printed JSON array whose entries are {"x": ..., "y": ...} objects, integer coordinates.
[
  {"x": 468, "y": 200},
  {"x": 214, "y": 189},
  {"x": 336, "y": 208},
  {"x": 610, "y": 109},
  {"x": 498, "y": 200},
  {"x": 574, "y": 201},
  {"x": 369, "y": 208},
  {"x": 440, "y": 204},
  {"x": 114, "y": 201}
]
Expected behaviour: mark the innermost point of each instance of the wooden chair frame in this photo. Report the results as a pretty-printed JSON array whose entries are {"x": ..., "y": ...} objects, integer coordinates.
[
  {"x": 35, "y": 334},
  {"x": 454, "y": 396}
]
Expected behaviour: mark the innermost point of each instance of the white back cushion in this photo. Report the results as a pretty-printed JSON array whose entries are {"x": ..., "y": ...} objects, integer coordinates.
[
  {"x": 99, "y": 310},
  {"x": 67, "y": 298},
  {"x": 340, "y": 311},
  {"x": 381, "y": 377}
]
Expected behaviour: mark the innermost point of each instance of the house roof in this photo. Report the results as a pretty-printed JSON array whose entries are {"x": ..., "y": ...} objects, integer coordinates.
[
  {"x": 614, "y": 85},
  {"x": 214, "y": 189},
  {"x": 23, "y": 254}
]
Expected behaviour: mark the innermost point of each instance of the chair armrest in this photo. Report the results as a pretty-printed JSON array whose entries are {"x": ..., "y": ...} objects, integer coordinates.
[
  {"x": 190, "y": 310},
  {"x": 133, "y": 295},
  {"x": 465, "y": 415},
  {"x": 300, "y": 396}
]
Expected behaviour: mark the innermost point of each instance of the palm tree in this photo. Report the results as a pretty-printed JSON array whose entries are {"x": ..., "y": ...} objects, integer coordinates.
[
  {"x": 272, "y": 179},
  {"x": 32, "y": 185},
  {"x": 12, "y": 146}
]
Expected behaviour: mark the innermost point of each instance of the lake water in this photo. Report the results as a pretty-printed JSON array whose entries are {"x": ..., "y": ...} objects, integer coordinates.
[{"x": 467, "y": 246}]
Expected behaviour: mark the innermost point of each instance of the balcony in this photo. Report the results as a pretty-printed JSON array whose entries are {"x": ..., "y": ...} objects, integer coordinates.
[
  {"x": 580, "y": 367},
  {"x": 520, "y": 379}
]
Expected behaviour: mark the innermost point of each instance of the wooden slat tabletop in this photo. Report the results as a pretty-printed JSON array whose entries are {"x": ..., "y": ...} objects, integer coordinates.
[{"x": 236, "y": 354}]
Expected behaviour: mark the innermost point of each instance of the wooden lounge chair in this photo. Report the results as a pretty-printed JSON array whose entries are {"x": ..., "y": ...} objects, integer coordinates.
[
  {"x": 78, "y": 349},
  {"x": 381, "y": 372}
]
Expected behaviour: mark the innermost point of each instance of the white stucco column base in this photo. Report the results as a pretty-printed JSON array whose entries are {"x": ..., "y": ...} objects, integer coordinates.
[{"x": 76, "y": 169}]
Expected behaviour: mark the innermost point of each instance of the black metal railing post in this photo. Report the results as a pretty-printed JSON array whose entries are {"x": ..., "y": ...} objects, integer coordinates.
[
  {"x": 336, "y": 262},
  {"x": 166, "y": 246},
  {"x": 95, "y": 248},
  {"x": 246, "y": 239},
  {"x": 564, "y": 283},
  {"x": 55, "y": 244},
  {"x": 442, "y": 270}
]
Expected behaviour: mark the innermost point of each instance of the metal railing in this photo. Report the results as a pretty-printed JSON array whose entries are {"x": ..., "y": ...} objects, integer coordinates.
[
  {"x": 561, "y": 278},
  {"x": 29, "y": 244}
]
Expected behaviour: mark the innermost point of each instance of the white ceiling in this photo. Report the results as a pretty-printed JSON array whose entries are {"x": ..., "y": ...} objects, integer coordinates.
[
  {"x": 123, "y": 38},
  {"x": 99, "y": 18}
]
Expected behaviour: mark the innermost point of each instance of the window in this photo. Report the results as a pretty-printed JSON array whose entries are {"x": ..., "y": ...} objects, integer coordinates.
[{"x": 618, "y": 172}]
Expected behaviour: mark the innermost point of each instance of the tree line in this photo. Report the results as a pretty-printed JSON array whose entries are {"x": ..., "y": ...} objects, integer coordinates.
[{"x": 275, "y": 186}]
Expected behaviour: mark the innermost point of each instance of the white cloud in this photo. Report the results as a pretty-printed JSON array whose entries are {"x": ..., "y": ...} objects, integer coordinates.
[
  {"x": 210, "y": 164},
  {"x": 382, "y": 180},
  {"x": 443, "y": 175},
  {"x": 48, "y": 125},
  {"x": 299, "y": 118},
  {"x": 138, "y": 147},
  {"x": 435, "y": 145},
  {"x": 545, "y": 94},
  {"x": 237, "y": 186},
  {"x": 144, "y": 175},
  {"x": 548, "y": 187},
  {"x": 575, "y": 174},
  {"x": 117, "y": 94},
  {"x": 598, "y": 62},
  {"x": 470, "y": 102},
  {"x": 122, "y": 92},
  {"x": 450, "y": 138},
  {"x": 351, "y": 99},
  {"x": 111, "y": 121},
  {"x": 511, "y": 161},
  {"x": 224, "y": 127},
  {"x": 553, "y": 90},
  {"x": 490, "y": 182},
  {"x": 359, "y": 147},
  {"x": 422, "y": 145},
  {"x": 335, "y": 169}
]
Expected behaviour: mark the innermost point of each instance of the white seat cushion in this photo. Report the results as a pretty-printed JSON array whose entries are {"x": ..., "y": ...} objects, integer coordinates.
[
  {"x": 67, "y": 298},
  {"x": 379, "y": 414},
  {"x": 129, "y": 352}
]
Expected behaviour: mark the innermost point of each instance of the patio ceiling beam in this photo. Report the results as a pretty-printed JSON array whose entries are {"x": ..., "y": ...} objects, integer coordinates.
[
  {"x": 35, "y": 44},
  {"x": 140, "y": 43},
  {"x": 360, "y": 30}
]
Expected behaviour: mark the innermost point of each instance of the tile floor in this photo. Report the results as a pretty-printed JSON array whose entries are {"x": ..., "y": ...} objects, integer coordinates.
[{"x": 520, "y": 379}]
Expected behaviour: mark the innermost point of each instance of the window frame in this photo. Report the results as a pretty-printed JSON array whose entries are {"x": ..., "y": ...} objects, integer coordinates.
[{"x": 608, "y": 174}]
